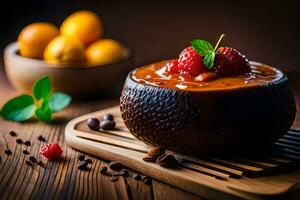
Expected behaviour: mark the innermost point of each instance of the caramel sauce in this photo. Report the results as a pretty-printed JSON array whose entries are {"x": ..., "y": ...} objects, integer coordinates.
[{"x": 155, "y": 74}]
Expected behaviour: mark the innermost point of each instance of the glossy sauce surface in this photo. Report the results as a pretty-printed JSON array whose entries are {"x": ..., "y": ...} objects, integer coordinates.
[{"x": 155, "y": 74}]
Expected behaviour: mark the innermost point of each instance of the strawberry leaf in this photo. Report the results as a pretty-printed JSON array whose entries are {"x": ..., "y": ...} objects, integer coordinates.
[
  {"x": 209, "y": 59},
  {"x": 202, "y": 47}
]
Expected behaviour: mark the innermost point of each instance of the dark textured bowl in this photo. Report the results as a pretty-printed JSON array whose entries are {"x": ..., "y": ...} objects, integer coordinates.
[{"x": 203, "y": 122}]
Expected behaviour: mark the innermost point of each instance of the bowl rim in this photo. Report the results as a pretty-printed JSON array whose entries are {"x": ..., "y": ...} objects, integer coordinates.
[
  {"x": 11, "y": 50},
  {"x": 280, "y": 79}
]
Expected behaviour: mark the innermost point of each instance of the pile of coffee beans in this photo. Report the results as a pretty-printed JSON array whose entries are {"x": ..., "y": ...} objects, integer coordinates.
[
  {"x": 83, "y": 164},
  {"x": 31, "y": 159},
  {"x": 110, "y": 170},
  {"x": 158, "y": 155},
  {"x": 114, "y": 166},
  {"x": 41, "y": 138},
  {"x": 107, "y": 123}
]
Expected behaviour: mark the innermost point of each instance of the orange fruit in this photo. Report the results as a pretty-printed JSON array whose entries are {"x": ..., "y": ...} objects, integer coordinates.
[
  {"x": 34, "y": 38},
  {"x": 65, "y": 50},
  {"x": 105, "y": 51},
  {"x": 85, "y": 25}
]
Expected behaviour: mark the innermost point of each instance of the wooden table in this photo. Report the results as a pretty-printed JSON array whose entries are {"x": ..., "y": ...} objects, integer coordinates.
[{"x": 61, "y": 179}]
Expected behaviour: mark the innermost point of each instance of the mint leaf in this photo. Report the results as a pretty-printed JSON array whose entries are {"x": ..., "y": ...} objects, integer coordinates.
[
  {"x": 59, "y": 101},
  {"x": 209, "y": 59},
  {"x": 205, "y": 49},
  {"x": 19, "y": 108},
  {"x": 43, "y": 112},
  {"x": 202, "y": 47},
  {"x": 42, "y": 88}
]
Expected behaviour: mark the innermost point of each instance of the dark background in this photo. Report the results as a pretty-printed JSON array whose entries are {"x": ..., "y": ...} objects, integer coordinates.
[{"x": 266, "y": 31}]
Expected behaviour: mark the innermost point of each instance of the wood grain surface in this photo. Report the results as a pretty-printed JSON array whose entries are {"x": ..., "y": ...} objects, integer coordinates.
[{"x": 61, "y": 179}]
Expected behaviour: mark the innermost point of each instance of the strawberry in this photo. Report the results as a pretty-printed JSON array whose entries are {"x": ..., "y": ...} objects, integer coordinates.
[
  {"x": 51, "y": 151},
  {"x": 230, "y": 62},
  {"x": 203, "y": 57},
  {"x": 172, "y": 67},
  {"x": 190, "y": 62}
]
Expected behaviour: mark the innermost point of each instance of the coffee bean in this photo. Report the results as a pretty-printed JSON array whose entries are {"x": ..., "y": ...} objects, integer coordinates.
[
  {"x": 103, "y": 170},
  {"x": 114, "y": 178},
  {"x": 136, "y": 176},
  {"x": 27, "y": 143},
  {"x": 8, "y": 152},
  {"x": 107, "y": 125},
  {"x": 32, "y": 159},
  {"x": 28, "y": 162},
  {"x": 146, "y": 180},
  {"x": 93, "y": 123},
  {"x": 13, "y": 133},
  {"x": 89, "y": 160},
  {"x": 115, "y": 166},
  {"x": 41, "y": 138},
  {"x": 108, "y": 116},
  {"x": 19, "y": 141},
  {"x": 81, "y": 157},
  {"x": 123, "y": 172},
  {"x": 167, "y": 160},
  {"x": 155, "y": 151},
  {"x": 148, "y": 158},
  {"x": 82, "y": 165},
  {"x": 25, "y": 152}
]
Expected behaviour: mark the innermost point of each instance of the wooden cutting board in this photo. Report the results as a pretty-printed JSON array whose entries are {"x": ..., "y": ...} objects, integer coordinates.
[{"x": 274, "y": 175}]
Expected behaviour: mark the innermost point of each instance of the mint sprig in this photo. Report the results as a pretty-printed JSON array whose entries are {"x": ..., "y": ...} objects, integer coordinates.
[
  {"x": 23, "y": 107},
  {"x": 205, "y": 49}
]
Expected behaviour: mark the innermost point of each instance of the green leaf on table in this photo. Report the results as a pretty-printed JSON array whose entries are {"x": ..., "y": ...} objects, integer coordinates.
[
  {"x": 43, "y": 112},
  {"x": 59, "y": 101},
  {"x": 202, "y": 47},
  {"x": 42, "y": 88},
  {"x": 19, "y": 108},
  {"x": 209, "y": 59}
]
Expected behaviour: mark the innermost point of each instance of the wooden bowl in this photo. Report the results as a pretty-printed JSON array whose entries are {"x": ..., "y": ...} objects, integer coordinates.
[
  {"x": 216, "y": 121},
  {"x": 75, "y": 80}
]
